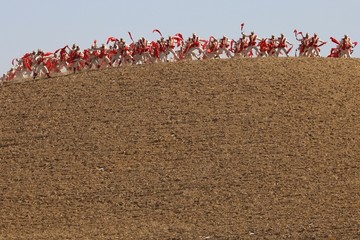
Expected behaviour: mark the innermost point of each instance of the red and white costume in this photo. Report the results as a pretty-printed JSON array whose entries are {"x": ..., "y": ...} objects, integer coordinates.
[
  {"x": 192, "y": 45},
  {"x": 170, "y": 48},
  {"x": 126, "y": 55},
  {"x": 282, "y": 46},
  {"x": 76, "y": 61},
  {"x": 346, "y": 47},
  {"x": 212, "y": 48},
  {"x": 241, "y": 46},
  {"x": 63, "y": 58},
  {"x": 224, "y": 47},
  {"x": 40, "y": 65},
  {"x": 142, "y": 53},
  {"x": 118, "y": 49},
  {"x": 103, "y": 59},
  {"x": 253, "y": 38},
  {"x": 314, "y": 46},
  {"x": 304, "y": 43},
  {"x": 264, "y": 48}
]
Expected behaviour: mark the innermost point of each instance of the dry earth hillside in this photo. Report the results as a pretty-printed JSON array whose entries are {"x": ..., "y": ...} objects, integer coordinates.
[{"x": 219, "y": 149}]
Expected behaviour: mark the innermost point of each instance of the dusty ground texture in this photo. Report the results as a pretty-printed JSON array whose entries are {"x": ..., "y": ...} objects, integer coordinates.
[{"x": 230, "y": 149}]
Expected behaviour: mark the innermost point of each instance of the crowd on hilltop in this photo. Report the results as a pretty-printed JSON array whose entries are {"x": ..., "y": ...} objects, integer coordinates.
[{"x": 116, "y": 52}]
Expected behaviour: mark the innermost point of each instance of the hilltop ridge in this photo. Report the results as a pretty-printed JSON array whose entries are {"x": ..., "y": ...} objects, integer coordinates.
[{"x": 216, "y": 149}]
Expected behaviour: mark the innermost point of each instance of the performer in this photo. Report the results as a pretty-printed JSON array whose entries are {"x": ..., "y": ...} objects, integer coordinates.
[
  {"x": 192, "y": 45},
  {"x": 24, "y": 65},
  {"x": 304, "y": 44},
  {"x": 264, "y": 48},
  {"x": 64, "y": 56},
  {"x": 144, "y": 51},
  {"x": 118, "y": 49},
  {"x": 40, "y": 66},
  {"x": 272, "y": 46},
  {"x": 103, "y": 57},
  {"x": 10, "y": 75},
  {"x": 212, "y": 48},
  {"x": 314, "y": 46},
  {"x": 76, "y": 59},
  {"x": 253, "y": 38},
  {"x": 223, "y": 47},
  {"x": 126, "y": 55},
  {"x": 195, "y": 40},
  {"x": 346, "y": 47},
  {"x": 94, "y": 53},
  {"x": 282, "y": 46},
  {"x": 170, "y": 48},
  {"x": 53, "y": 64},
  {"x": 241, "y": 45}
]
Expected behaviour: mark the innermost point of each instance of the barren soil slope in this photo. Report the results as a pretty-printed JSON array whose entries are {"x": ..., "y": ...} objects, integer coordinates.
[{"x": 226, "y": 149}]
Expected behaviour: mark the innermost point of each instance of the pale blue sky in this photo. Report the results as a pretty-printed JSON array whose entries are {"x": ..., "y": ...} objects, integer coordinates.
[{"x": 32, "y": 24}]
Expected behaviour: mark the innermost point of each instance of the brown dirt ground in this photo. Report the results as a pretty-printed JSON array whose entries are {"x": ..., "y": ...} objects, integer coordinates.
[{"x": 226, "y": 149}]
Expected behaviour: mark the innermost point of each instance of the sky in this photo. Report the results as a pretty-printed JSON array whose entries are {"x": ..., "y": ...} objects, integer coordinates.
[{"x": 29, "y": 25}]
